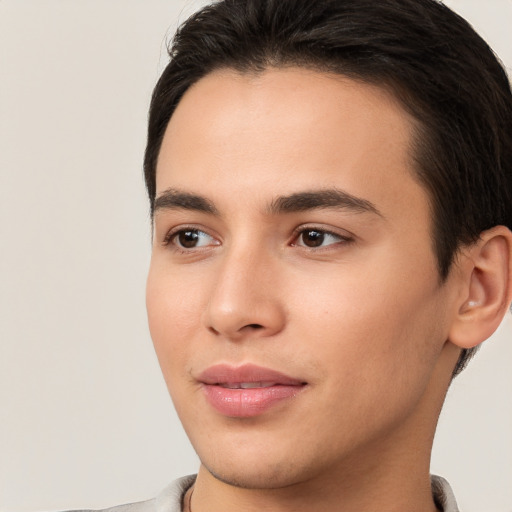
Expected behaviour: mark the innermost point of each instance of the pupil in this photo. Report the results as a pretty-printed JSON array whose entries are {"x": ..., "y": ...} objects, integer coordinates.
[
  {"x": 313, "y": 238},
  {"x": 188, "y": 239}
]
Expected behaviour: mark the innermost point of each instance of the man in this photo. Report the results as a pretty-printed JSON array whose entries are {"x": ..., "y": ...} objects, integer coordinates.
[{"x": 331, "y": 194}]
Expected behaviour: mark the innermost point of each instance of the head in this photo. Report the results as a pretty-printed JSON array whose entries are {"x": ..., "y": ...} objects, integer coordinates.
[
  {"x": 389, "y": 125},
  {"x": 429, "y": 58}
]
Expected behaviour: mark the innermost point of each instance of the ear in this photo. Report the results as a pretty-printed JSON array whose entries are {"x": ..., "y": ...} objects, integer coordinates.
[{"x": 486, "y": 291}]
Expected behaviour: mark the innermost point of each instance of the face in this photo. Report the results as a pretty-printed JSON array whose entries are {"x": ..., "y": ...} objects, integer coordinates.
[{"x": 293, "y": 296}]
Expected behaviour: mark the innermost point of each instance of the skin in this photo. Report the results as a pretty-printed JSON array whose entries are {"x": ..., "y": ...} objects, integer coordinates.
[{"x": 363, "y": 318}]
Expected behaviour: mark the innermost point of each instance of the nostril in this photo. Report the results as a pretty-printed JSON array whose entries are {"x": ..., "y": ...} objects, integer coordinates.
[{"x": 247, "y": 327}]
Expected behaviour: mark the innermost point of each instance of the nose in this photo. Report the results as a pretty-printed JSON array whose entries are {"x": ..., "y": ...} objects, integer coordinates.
[{"x": 244, "y": 300}]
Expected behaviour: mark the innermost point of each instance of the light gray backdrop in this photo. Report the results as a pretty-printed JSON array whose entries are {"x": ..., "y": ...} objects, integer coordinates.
[{"x": 85, "y": 420}]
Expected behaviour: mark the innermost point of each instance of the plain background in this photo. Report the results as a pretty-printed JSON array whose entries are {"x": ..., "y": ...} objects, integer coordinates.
[{"x": 85, "y": 420}]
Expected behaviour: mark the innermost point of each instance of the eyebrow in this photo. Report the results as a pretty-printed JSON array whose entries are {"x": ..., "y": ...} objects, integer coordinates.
[
  {"x": 172, "y": 199},
  {"x": 318, "y": 199}
]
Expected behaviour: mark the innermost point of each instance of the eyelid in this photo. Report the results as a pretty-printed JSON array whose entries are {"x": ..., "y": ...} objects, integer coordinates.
[
  {"x": 344, "y": 237},
  {"x": 171, "y": 233}
]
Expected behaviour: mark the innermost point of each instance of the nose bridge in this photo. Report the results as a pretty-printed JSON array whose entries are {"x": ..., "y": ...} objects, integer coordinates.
[{"x": 244, "y": 299}]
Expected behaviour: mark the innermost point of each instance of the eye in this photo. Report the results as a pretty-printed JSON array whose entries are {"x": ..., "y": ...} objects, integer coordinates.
[
  {"x": 313, "y": 238},
  {"x": 190, "y": 239}
]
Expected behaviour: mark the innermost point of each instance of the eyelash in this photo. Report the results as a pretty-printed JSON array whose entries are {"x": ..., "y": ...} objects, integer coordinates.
[
  {"x": 342, "y": 239},
  {"x": 171, "y": 236},
  {"x": 174, "y": 233}
]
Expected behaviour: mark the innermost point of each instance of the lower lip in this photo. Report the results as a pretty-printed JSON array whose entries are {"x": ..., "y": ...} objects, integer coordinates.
[{"x": 246, "y": 403}]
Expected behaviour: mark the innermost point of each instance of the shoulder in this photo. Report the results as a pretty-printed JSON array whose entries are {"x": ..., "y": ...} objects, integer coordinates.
[{"x": 169, "y": 500}]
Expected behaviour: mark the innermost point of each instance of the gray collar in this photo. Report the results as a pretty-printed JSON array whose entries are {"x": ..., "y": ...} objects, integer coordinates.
[
  {"x": 171, "y": 498},
  {"x": 443, "y": 495}
]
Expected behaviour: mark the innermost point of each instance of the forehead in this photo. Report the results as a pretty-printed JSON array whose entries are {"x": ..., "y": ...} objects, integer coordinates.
[{"x": 282, "y": 130}]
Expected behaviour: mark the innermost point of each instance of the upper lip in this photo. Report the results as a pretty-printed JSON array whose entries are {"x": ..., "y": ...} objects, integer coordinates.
[{"x": 227, "y": 374}]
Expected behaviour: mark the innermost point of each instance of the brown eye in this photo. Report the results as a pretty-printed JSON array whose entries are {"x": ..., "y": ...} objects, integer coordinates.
[
  {"x": 190, "y": 238},
  {"x": 312, "y": 238}
]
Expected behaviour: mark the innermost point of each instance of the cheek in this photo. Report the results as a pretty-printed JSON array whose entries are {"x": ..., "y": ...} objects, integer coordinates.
[
  {"x": 173, "y": 315},
  {"x": 379, "y": 324},
  {"x": 372, "y": 347}
]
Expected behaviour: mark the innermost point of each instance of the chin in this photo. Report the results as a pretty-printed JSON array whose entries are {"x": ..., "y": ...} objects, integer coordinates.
[
  {"x": 249, "y": 464},
  {"x": 260, "y": 476}
]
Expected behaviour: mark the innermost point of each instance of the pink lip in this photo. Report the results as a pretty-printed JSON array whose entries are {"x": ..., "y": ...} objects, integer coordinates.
[{"x": 221, "y": 386}]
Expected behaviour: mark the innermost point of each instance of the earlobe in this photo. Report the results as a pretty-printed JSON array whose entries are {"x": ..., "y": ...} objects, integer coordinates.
[{"x": 486, "y": 288}]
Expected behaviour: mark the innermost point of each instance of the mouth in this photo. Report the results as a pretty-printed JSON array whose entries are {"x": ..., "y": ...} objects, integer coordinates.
[
  {"x": 247, "y": 391},
  {"x": 247, "y": 385}
]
